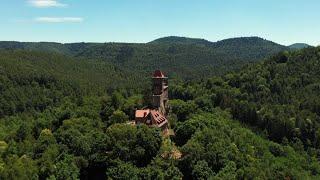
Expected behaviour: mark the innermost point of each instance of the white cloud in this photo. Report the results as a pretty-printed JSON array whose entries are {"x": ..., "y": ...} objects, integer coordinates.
[
  {"x": 46, "y": 3},
  {"x": 58, "y": 19}
]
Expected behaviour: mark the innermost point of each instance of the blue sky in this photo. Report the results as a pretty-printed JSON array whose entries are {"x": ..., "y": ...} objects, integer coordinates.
[{"x": 282, "y": 21}]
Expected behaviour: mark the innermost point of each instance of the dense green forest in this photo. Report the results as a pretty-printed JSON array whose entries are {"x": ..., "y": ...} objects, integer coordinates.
[
  {"x": 63, "y": 115},
  {"x": 278, "y": 99},
  {"x": 179, "y": 57}
]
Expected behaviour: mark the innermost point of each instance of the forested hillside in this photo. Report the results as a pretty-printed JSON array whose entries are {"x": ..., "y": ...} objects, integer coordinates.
[
  {"x": 64, "y": 117},
  {"x": 277, "y": 99},
  {"x": 38, "y": 80},
  {"x": 280, "y": 95},
  {"x": 180, "y": 57}
]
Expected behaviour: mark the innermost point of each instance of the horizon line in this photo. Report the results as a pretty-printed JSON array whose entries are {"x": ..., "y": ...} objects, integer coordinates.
[{"x": 145, "y": 42}]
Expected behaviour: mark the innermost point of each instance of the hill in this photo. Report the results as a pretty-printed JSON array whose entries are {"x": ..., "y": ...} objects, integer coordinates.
[
  {"x": 254, "y": 47},
  {"x": 178, "y": 56},
  {"x": 181, "y": 40},
  {"x": 277, "y": 98},
  {"x": 35, "y": 46},
  {"x": 299, "y": 46},
  {"x": 279, "y": 95}
]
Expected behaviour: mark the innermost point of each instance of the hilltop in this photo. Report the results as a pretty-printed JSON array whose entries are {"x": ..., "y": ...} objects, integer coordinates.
[
  {"x": 299, "y": 46},
  {"x": 181, "y": 40}
]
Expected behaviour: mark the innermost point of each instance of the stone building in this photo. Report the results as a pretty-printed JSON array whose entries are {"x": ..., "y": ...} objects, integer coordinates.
[{"x": 157, "y": 114}]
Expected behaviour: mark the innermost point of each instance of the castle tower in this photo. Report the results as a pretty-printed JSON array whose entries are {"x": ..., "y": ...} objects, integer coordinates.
[{"x": 160, "y": 92}]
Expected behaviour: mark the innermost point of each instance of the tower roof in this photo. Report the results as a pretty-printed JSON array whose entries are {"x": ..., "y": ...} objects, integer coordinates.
[{"x": 158, "y": 74}]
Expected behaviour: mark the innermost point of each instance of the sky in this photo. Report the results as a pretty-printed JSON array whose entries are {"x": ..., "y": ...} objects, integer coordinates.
[{"x": 282, "y": 21}]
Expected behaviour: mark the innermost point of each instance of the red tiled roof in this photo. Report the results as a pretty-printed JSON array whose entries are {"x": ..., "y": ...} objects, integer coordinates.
[
  {"x": 159, "y": 118},
  {"x": 158, "y": 73},
  {"x": 142, "y": 113}
]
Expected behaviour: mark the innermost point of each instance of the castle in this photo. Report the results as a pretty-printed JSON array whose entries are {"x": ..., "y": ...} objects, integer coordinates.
[{"x": 157, "y": 114}]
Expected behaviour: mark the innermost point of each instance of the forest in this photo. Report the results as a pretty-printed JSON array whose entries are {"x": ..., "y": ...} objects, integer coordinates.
[
  {"x": 237, "y": 113},
  {"x": 180, "y": 57}
]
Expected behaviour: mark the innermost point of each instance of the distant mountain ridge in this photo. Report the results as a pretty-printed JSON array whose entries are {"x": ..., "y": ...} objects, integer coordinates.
[
  {"x": 178, "y": 56},
  {"x": 299, "y": 46},
  {"x": 241, "y": 40},
  {"x": 72, "y": 47},
  {"x": 182, "y": 40},
  {"x": 186, "y": 40}
]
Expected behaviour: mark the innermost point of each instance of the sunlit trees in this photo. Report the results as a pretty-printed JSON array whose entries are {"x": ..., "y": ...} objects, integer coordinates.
[
  {"x": 58, "y": 126},
  {"x": 133, "y": 144}
]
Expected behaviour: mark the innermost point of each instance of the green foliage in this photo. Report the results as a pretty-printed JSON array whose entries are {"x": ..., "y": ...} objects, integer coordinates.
[
  {"x": 279, "y": 95},
  {"x": 182, "y": 109},
  {"x": 79, "y": 135},
  {"x": 19, "y": 168},
  {"x": 118, "y": 117},
  {"x": 222, "y": 149},
  {"x": 133, "y": 144},
  {"x": 3, "y": 146},
  {"x": 161, "y": 169},
  {"x": 66, "y": 169},
  {"x": 65, "y": 117},
  {"x": 202, "y": 170},
  {"x": 123, "y": 171},
  {"x": 276, "y": 98},
  {"x": 130, "y": 63}
]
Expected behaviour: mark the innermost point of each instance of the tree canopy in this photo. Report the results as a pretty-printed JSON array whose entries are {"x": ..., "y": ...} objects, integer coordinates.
[{"x": 65, "y": 117}]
